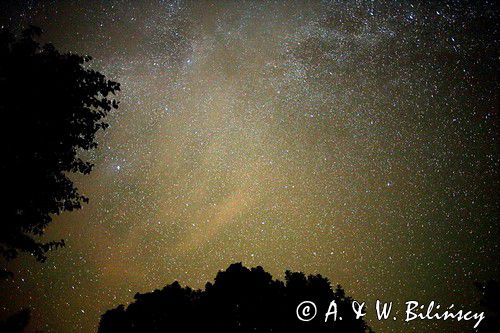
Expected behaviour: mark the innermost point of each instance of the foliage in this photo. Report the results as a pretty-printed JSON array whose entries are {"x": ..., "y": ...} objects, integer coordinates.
[
  {"x": 16, "y": 323},
  {"x": 51, "y": 107},
  {"x": 490, "y": 296},
  {"x": 240, "y": 300}
]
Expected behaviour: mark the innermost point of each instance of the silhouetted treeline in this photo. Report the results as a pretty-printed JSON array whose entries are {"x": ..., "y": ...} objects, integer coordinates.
[
  {"x": 16, "y": 323},
  {"x": 240, "y": 300},
  {"x": 51, "y": 107},
  {"x": 490, "y": 301}
]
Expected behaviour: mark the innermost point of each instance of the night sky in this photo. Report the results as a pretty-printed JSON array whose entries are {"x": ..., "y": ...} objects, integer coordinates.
[{"x": 353, "y": 139}]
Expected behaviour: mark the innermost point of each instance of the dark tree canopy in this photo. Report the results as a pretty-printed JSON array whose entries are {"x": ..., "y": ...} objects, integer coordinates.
[
  {"x": 240, "y": 300},
  {"x": 490, "y": 300},
  {"x": 51, "y": 107},
  {"x": 16, "y": 323}
]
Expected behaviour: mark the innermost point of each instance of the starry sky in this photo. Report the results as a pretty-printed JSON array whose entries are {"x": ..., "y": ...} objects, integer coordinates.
[{"x": 348, "y": 138}]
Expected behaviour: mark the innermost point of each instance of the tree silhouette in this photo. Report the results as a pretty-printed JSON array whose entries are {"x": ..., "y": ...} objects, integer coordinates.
[
  {"x": 490, "y": 300},
  {"x": 240, "y": 300},
  {"x": 51, "y": 107},
  {"x": 17, "y": 322}
]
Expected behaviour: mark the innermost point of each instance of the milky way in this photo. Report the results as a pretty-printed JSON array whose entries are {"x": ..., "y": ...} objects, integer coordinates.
[{"x": 352, "y": 139}]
